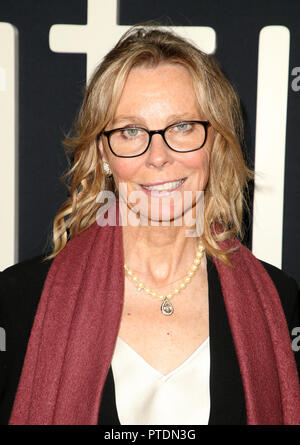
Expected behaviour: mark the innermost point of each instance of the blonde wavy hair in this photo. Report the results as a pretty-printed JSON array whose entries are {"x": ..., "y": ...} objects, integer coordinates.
[{"x": 228, "y": 176}]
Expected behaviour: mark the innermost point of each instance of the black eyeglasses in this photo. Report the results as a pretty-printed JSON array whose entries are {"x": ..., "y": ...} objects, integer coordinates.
[{"x": 182, "y": 137}]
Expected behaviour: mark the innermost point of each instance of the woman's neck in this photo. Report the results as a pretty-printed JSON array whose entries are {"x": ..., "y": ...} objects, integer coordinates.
[{"x": 158, "y": 255}]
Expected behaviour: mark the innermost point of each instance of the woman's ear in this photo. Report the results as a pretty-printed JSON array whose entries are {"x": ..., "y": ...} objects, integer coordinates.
[
  {"x": 102, "y": 149},
  {"x": 105, "y": 164}
]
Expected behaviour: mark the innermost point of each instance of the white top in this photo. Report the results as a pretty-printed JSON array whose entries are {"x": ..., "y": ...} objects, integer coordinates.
[{"x": 144, "y": 396}]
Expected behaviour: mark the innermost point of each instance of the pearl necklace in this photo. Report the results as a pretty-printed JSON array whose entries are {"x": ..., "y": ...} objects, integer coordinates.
[{"x": 167, "y": 307}]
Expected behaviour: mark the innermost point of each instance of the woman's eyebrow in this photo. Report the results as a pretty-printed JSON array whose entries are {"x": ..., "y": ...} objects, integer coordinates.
[
  {"x": 120, "y": 119},
  {"x": 172, "y": 118}
]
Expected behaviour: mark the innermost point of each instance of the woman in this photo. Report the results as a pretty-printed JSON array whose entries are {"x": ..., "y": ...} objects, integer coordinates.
[{"x": 149, "y": 319}]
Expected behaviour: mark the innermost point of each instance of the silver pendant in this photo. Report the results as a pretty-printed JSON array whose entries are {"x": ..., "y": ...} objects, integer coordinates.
[{"x": 167, "y": 307}]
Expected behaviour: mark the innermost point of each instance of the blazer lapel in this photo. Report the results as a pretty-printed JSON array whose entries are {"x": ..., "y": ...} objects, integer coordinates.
[{"x": 226, "y": 389}]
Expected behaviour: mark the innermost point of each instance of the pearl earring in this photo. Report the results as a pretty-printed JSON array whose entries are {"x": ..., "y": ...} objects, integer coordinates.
[{"x": 106, "y": 168}]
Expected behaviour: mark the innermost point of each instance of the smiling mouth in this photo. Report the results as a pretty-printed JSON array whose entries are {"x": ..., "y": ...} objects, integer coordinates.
[{"x": 165, "y": 186}]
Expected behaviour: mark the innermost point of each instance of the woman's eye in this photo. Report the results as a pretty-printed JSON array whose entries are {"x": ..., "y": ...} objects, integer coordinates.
[
  {"x": 183, "y": 126},
  {"x": 131, "y": 132}
]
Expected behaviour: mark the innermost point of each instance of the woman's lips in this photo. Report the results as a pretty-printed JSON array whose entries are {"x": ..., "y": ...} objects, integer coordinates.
[{"x": 162, "y": 188}]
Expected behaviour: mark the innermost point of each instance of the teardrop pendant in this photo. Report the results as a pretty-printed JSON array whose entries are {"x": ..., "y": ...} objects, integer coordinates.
[{"x": 167, "y": 307}]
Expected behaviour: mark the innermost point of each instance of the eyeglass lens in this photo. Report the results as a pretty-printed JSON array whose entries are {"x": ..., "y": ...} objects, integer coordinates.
[{"x": 132, "y": 141}]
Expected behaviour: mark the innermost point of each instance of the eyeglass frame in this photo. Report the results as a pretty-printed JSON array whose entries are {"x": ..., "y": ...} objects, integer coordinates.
[{"x": 151, "y": 133}]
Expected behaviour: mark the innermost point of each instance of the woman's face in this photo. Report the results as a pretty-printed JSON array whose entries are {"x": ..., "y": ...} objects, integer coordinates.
[{"x": 154, "y": 98}]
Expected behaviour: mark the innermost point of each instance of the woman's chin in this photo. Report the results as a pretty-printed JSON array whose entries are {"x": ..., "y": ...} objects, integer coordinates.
[{"x": 161, "y": 216}]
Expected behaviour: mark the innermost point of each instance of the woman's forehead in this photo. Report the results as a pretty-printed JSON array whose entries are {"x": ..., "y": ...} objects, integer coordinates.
[{"x": 166, "y": 86}]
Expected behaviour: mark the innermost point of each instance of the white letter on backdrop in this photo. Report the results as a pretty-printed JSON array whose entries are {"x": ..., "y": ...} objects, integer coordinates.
[
  {"x": 9, "y": 141},
  {"x": 101, "y": 33},
  {"x": 272, "y": 92}
]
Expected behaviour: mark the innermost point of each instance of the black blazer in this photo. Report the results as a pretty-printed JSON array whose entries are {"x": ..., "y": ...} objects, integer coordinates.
[{"x": 20, "y": 290}]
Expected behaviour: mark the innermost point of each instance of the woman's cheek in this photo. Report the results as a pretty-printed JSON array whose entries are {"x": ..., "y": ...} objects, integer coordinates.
[{"x": 124, "y": 173}]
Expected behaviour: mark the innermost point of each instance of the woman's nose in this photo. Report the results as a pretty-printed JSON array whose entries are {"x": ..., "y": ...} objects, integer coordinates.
[{"x": 158, "y": 153}]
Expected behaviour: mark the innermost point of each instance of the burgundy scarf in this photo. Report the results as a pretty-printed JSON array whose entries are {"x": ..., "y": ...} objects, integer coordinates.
[{"x": 75, "y": 328}]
